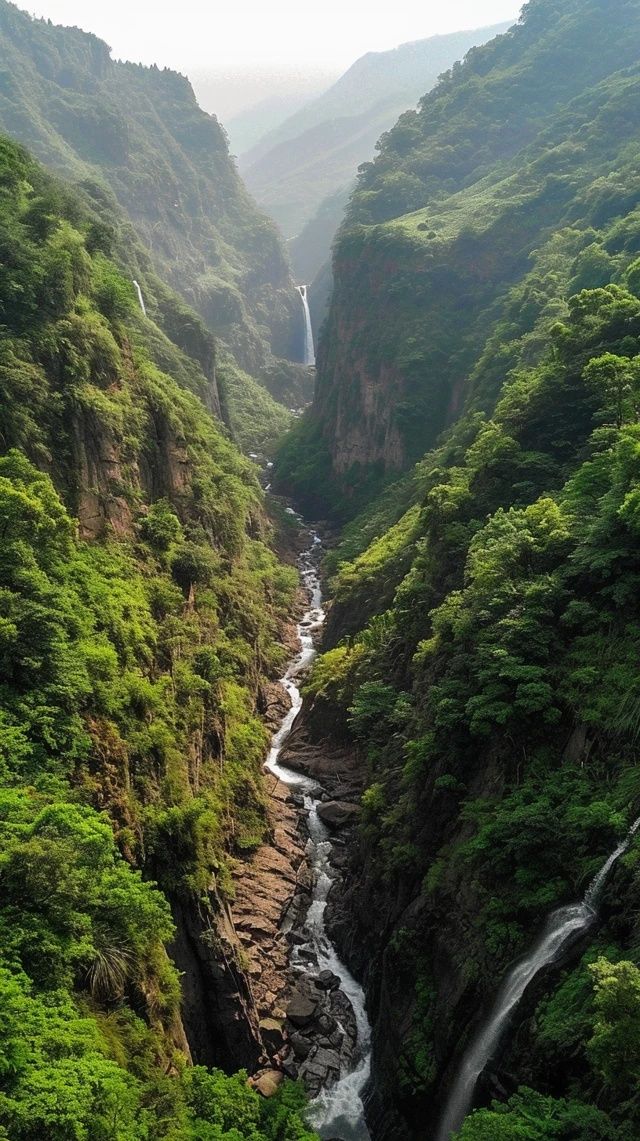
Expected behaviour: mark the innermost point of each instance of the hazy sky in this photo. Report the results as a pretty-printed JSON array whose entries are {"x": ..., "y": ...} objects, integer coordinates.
[{"x": 192, "y": 34}]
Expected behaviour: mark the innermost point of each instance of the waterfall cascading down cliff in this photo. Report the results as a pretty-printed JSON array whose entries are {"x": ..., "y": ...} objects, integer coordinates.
[
  {"x": 140, "y": 297},
  {"x": 561, "y": 929},
  {"x": 309, "y": 348}
]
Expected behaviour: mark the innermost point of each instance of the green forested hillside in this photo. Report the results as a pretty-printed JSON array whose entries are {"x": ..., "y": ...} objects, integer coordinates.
[
  {"x": 139, "y": 615},
  {"x": 483, "y": 208},
  {"x": 36, "y": 107},
  {"x": 140, "y": 132},
  {"x": 490, "y": 681},
  {"x": 484, "y": 632}
]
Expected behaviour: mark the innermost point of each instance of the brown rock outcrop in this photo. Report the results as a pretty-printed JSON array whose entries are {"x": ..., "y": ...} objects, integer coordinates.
[
  {"x": 272, "y": 887},
  {"x": 218, "y": 1008},
  {"x": 338, "y": 770},
  {"x": 268, "y": 1083}
]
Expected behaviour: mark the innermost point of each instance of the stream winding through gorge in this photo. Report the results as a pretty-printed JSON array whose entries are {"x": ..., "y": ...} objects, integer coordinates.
[{"x": 337, "y": 1111}]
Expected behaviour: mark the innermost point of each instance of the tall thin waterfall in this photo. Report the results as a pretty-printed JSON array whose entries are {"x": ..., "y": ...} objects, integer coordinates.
[
  {"x": 140, "y": 297},
  {"x": 309, "y": 349},
  {"x": 562, "y": 928}
]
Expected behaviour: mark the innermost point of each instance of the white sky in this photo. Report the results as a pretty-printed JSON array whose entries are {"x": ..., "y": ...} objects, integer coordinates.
[{"x": 271, "y": 34}]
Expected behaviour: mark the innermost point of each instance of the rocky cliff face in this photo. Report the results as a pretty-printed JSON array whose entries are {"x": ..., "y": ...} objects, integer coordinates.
[
  {"x": 377, "y": 410},
  {"x": 218, "y": 1007},
  {"x": 222, "y": 1009},
  {"x": 104, "y": 470}
]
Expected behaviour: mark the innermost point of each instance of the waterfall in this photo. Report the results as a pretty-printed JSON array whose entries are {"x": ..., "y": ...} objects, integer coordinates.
[
  {"x": 309, "y": 350},
  {"x": 338, "y": 1111},
  {"x": 140, "y": 297},
  {"x": 561, "y": 929}
]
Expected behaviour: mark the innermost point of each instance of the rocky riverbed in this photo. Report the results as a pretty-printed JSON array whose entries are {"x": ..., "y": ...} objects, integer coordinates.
[
  {"x": 306, "y": 1021},
  {"x": 311, "y": 1012}
]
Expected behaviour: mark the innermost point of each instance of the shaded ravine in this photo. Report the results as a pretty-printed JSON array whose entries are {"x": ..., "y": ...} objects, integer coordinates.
[
  {"x": 338, "y": 1111},
  {"x": 561, "y": 929}
]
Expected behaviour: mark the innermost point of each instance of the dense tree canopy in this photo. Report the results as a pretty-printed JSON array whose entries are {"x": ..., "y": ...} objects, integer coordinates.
[{"x": 133, "y": 642}]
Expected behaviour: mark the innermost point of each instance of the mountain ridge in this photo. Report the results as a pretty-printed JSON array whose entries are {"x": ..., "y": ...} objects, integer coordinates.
[
  {"x": 475, "y": 438},
  {"x": 372, "y": 92},
  {"x": 141, "y": 611}
]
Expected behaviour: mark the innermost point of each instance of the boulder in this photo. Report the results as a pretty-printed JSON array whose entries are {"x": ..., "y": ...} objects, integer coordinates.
[
  {"x": 321, "y": 1069},
  {"x": 271, "y": 1031},
  {"x": 326, "y": 1024},
  {"x": 328, "y": 981},
  {"x": 268, "y": 1083},
  {"x": 301, "y": 1046},
  {"x": 301, "y": 1010},
  {"x": 306, "y": 955},
  {"x": 327, "y": 1059},
  {"x": 338, "y": 813},
  {"x": 289, "y": 1068}
]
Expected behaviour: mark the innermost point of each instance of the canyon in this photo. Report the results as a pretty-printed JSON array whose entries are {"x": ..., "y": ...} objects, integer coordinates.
[{"x": 319, "y": 698}]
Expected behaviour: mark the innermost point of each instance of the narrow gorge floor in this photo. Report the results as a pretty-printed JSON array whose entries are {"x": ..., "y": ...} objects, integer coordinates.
[{"x": 311, "y": 1010}]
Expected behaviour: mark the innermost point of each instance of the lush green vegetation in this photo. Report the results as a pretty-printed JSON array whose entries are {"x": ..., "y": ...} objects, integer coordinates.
[
  {"x": 256, "y": 419},
  {"x": 497, "y": 697},
  {"x": 485, "y": 630},
  {"x": 493, "y": 690},
  {"x": 139, "y": 613}
]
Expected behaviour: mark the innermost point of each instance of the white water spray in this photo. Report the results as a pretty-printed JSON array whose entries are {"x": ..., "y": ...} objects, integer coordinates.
[
  {"x": 562, "y": 928},
  {"x": 309, "y": 349},
  {"x": 337, "y": 1112},
  {"x": 140, "y": 297}
]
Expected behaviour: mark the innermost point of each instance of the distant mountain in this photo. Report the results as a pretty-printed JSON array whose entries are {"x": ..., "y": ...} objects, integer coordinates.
[
  {"x": 317, "y": 151},
  {"x": 250, "y": 125},
  {"x": 252, "y": 101},
  {"x": 140, "y": 132}
]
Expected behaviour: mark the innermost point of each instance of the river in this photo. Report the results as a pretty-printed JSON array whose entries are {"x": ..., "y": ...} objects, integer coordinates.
[{"x": 339, "y": 1111}]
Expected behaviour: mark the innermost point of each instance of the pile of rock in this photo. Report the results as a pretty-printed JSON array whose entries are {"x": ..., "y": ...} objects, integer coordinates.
[
  {"x": 320, "y": 1030},
  {"x": 272, "y": 894}
]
